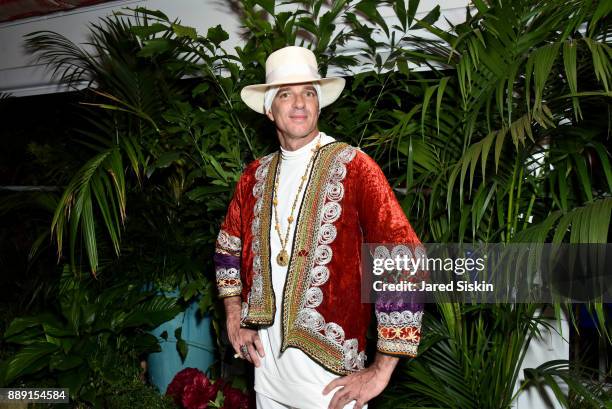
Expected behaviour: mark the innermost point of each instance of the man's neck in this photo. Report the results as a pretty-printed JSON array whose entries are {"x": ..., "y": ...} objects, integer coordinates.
[{"x": 292, "y": 144}]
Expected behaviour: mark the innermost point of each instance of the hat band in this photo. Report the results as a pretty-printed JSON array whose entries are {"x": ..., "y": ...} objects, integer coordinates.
[{"x": 288, "y": 70}]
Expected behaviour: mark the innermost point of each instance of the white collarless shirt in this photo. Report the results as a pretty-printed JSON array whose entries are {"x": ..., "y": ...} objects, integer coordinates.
[{"x": 291, "y": 378}]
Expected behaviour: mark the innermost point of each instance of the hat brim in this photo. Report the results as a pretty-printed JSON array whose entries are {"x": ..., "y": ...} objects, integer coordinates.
[{"x": 331, "y": 88}]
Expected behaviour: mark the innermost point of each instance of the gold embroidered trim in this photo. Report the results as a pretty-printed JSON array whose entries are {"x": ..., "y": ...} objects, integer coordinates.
[
  {"x": 397, "y": 347},
  {"x": 303, "y": 326},
  {"x": 229, "y": 291},
  {"x": 260, "y": 300}
]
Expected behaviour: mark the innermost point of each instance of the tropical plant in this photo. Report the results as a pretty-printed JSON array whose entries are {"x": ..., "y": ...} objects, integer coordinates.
[
  {"x": 86, "y": 340},
  {"x": 100, "y": 184},
  {"x": 471, "y": 357},
  {"x": 513, "y": 94},
  {"x": 168, "y": 242},
  {"x": 505, "y": 147}
]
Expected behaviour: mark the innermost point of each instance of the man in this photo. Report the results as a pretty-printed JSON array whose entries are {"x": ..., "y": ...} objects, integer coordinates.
[{"x": 288, "y": 253}]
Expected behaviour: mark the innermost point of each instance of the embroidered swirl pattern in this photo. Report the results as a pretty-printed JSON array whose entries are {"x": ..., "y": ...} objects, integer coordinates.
[
  {"x": 401, "y": 251},
  {"x": 228, "y": 244},
  {"x": 403, "y": 318},
  {"x": 308, "y": 317},
  {"x": 228, "y": 273}
]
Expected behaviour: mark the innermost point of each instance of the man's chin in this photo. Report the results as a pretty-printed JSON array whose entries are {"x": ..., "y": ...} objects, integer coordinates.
[{"x": 299, "y": 133}]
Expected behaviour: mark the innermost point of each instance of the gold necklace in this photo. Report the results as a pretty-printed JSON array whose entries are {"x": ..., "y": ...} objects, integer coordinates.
[{"x": 283, "y": 257}]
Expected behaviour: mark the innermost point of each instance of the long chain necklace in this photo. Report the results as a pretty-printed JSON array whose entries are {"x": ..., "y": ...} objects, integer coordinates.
[{"x": 283, "y": 257}]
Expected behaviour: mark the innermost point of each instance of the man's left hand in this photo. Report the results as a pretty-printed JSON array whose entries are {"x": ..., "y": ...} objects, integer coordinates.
[{"x": 360, "y": 386}]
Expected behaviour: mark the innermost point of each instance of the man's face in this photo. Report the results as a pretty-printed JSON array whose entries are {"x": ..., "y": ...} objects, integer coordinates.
[{"x": 295, "y": 110}]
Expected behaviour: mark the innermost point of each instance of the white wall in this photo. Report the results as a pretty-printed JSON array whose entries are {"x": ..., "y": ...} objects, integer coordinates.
[
  {"x": 20, "y": 75},
  {"x": 551, "y": 345}
]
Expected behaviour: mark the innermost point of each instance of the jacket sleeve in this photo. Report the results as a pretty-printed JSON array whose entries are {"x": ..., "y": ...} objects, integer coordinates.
[
  {"x": 383, "y": 221},
  {"x": 228, "y": 248}
]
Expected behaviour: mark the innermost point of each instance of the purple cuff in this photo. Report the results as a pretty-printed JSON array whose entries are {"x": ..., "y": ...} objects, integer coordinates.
[
  {"x": 391, "y": 305},
  {"x": 226, "y": 261}
]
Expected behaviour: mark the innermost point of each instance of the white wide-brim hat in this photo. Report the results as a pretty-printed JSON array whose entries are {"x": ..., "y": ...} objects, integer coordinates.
[{"x": 292, "y": 65}]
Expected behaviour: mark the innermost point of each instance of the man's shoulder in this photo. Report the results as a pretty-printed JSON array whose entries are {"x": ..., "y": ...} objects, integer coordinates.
[
  {"x": 352, "y": 156},
  {"x": 359, "y": 158},
  {"x": 252, "y": 166},
  {"x": 253, "y": 170}
]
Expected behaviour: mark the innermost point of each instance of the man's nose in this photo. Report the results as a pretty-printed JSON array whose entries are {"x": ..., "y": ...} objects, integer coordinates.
[{"x": 298, "y": 102}]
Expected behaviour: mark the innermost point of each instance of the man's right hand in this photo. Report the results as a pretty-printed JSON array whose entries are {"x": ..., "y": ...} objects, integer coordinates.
[{"x": 242, "y": 336}]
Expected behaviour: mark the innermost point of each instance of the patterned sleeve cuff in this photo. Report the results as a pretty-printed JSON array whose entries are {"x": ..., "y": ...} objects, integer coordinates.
[
  {"x": 227, "y": 264},
  {"x": 228, "y": 281},
  {"x": 228, "y": 244},
  {"x": 399, "y": 332}
]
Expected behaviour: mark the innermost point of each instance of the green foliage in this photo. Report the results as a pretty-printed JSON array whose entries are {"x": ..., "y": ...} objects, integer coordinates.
[
  {"x": 508, "y": 145},
  {"x": 137, "y": 395},
  {"x": 509, "y": 128},
  {"x": 471, "y": 358},
  {"x": 468, "y": 358},
  {"x": 85, "y": 340}
]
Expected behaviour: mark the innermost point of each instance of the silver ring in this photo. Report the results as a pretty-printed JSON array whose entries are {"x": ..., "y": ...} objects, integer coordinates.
[{"x": 244, "y": 350}]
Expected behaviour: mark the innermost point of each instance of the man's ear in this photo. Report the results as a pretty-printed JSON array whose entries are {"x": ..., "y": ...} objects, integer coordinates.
[{"x": 270, "y": 115}]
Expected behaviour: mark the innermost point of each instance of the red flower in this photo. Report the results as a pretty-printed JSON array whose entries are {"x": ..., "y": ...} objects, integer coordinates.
[
  {"x": 199, "y": 393},
  {"x": 191, "y": 389},
  {"x": 181, "y": 379},
  {"x": 234, "y": 398}
]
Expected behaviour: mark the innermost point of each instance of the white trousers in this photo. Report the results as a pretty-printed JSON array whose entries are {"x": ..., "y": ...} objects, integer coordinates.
[{"x": 264, "y": 402}]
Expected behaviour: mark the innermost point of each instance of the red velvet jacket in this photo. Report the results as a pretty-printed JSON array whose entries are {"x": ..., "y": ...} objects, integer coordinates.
[{"x": 347, "y": 201}]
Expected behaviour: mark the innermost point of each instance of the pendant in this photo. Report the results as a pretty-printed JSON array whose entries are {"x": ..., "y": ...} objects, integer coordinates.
[{"x": 282, "y": 258}]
